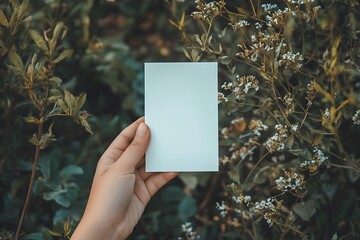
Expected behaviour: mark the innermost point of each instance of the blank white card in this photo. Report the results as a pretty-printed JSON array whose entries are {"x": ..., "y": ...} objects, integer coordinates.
[{"x": 181, "y": 109}]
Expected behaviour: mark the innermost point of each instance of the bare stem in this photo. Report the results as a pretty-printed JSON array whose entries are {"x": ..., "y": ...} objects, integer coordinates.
[
  {"x": 31, "y": 183},
  {"x": 253, "y": 8}
]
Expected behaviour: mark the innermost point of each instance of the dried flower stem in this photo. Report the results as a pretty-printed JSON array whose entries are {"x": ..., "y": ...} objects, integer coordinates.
[{"x": 253, "y": 8}]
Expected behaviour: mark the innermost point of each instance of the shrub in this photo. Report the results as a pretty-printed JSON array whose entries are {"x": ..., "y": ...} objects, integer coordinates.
[{"x": 289, "y": 95}]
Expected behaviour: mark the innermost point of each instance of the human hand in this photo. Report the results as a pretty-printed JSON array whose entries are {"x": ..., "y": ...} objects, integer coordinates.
[{"x": 121, "y": 188}]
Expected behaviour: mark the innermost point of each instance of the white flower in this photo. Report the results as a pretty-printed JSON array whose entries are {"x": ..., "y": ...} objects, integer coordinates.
[
  {"x": 290, "y": 58},
  {"x": 222, "y": 208},
  {"x": 356, "y": 117},
  {"x": 289, "y": 182},
  {"x": 294, "y": 127},
  {"x": 239, "y": 24},
  {"x": 327, "y": 113},
  {"x": 189, "y": 232},
  {"x": 221, "y": 97},
  {"x": 268, "y": 6}
]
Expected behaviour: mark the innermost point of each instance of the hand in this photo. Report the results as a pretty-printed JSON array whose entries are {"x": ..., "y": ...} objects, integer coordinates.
[{"x": 121, "y": 188}]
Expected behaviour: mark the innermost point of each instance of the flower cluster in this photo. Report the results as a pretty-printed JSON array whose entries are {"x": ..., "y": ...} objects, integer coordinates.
[
  {"x": 222, "y": 208},
  {"x": 326, "y": 114},
  {"x": 257, "y": 126},
  {"x": 190, "y": 234},
  {"x": 310, "y": 93},
  {"x": 300, "y": 2},
  {"x": 317, "y": 159},
  {"x": 237, "y": 124},
  {"x": 242, "y": 199},
  {"x": 266, "y": 208},
  {"x": 276, "y": 142},
  {"x": 268, "y": 7},
  {"x": 248, "y": 82},
  {"x": 288, "y": 100},
  {"x": 291, "y": 59},
  {"x": 278, "y": 17},
  {"x": 290, "y": 182},
  {"x": 207, "y": 11},
  {"x": 242, "y": 85},
  {"x": 221, "y": 97},
  {"x": 239, "y": 24},
  {"x": 356, "y": 117},
  {"x": 261, "y": 42},
  {"x": 294, "y": 127}
]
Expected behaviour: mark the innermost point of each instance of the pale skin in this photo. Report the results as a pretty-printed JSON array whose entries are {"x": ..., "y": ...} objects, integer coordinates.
[{"x": 121, "y": 188}]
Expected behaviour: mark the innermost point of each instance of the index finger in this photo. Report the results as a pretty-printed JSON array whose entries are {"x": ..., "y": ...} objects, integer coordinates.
[{"x": 118, "y": 146}]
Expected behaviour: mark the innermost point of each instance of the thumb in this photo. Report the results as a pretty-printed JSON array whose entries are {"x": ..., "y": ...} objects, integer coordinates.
[{"x": 136, "y": 150}]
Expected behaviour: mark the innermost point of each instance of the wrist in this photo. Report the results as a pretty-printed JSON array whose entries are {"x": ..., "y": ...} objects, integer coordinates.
[{"x": 91, "y": 230}]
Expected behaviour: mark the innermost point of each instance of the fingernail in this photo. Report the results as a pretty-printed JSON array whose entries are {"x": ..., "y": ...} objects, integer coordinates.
[{"x": 141, "y": 130}]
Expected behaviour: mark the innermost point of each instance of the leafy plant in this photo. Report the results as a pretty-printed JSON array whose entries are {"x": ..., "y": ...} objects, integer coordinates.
[
  {"x": 289, "y": 99},
  {"x": 31, "y": 73}
]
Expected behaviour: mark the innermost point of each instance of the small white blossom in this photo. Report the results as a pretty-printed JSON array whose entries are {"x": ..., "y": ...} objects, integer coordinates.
[
  {"x": 290, "y": 182},
  {"x": 257, "y": 26},
  {"x": 356, "y": 117},
  {"x": 257, "y": 126},
  {"x": 189, "y": 232},
  {"x": 221, "y": 97},
  {"x": 294, "y": 127},
  {"x": 291, "y": 59},
  {"x": 317, "y": 159},
  {"x": 276, "y": 142},
  {"x": 222, "y": 208},
  {"x": 239, "y": 24},
  {"x": 268, "y": 6},
  {"x": 327, "y": 113}
]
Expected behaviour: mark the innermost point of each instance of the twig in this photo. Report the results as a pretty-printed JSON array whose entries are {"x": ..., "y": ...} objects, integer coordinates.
[
  {"x": 33, "y": 170},
  {"x": 210, "y": 192},
  {"x": 251, "y": 171},
  {"x": 31, "y": 183}
]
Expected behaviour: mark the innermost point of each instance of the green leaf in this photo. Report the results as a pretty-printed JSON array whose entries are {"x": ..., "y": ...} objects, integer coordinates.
[
  {"x": 47, "y": 138},
  {"x": 187, "y": 208},
  {"x": 34, "y": 140},
  {"x": 33, "y": 236},
  {"x": 224, "y": 60},
  {"x": 56, "y": 80},
  {"x": 39, "y": 40},
  {"x": 31, "y": 119},
  {"x": 70, "y": 101},
  {"x": 222, "y": 34},
  {"x": 55, "y": 234},
  {"x": 189, "y": 179},
  {"x": 15, "y": 59},
  {"x": 63, "y": 106},
  {"x": 3, "y": 19},
  {"x": 23, "y": 8},
  {"x": 186, "y": 53},
  {"x": 71, "y": 170},
  {"x": 305, "y": 209},
  {"x": 57, "y": 30},
  {"x": 234, "y": 175},
  {"x": 64, "y": 54},
  {"x": 172, "y": 194},
  {"x": 86, "y": 125},
  {"x": 80, "y": 100},
  {"x": 81, "y": 118}
]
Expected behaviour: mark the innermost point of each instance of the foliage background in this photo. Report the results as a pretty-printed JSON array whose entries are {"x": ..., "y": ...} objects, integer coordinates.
[{"x": 111, "y": 40}]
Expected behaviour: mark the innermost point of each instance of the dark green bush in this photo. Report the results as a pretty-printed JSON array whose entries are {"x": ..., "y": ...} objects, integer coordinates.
[{"x": 298, "y": 78}]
